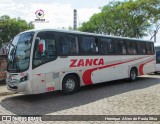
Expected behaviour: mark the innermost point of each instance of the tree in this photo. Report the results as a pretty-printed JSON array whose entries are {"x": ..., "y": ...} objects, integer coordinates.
[
  {"x": 131, "y": 18},
  {"x": 157, "y": 27},
  {"x": 11, "y": 27}
]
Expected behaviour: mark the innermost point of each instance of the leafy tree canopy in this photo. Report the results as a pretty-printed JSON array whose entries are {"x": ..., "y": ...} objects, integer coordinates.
[
  {"x": 131, "y": 18},
  {"x": 11, "y": 27}
]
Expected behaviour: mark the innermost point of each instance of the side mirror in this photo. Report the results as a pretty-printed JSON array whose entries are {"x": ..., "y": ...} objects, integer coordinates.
[{"x": 41, "y": 46}]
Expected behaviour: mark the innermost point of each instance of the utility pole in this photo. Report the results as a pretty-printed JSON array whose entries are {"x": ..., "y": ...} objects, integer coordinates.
[
  {"x": 75, "y": 19},
  {"x": 155, "y": 33}
]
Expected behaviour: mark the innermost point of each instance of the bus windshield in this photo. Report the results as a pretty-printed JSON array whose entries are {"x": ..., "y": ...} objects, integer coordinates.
[{"x": 19, "y": 54}]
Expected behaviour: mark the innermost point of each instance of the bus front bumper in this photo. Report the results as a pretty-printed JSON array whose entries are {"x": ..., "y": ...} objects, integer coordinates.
[{"x": 15, "y": 86}]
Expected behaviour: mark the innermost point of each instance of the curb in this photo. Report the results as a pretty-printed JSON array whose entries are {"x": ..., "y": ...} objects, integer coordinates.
[{"x": 7, "y": 93}]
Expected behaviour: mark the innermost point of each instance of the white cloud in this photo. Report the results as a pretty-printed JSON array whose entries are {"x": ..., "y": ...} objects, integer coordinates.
[
  {"x": 85, "y": 13},
  {"x": 14, "y": 10},
  {"x": 59, "y": 15}
]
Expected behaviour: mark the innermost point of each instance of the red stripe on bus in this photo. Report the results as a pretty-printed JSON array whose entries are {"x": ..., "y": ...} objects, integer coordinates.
[
  {"x": 142, "y": 65},
  {"x": 87, "y": 74}
]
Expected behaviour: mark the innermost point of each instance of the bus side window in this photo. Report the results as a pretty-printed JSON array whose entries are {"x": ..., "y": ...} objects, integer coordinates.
[
  {"x": 103, "y": 46},
  {"x": 132, "y": 47},
  {"x": 124, "y": 49},
  {"x": 141, "y": 48},
  {"x": 69, "y": 45},
  {"x": 150, "y": 48},
  {"x": 65, "y": 46},
  {"x": 111, "y": 46},
  {"x": 89, "y": 45},
  {"x": 74, "y": 46},
  {"x": 37, "y": 54},
  {"x": 120, "y": 47},
  {"x": 94, "y": 46},
  {"x": 51, "y": 49}
]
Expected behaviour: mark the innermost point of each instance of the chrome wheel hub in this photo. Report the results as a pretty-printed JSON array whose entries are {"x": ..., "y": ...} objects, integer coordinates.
[{"x": 70, "y": 84}]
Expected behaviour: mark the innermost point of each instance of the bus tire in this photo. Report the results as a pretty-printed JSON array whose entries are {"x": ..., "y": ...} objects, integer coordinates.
[
  {"x": 70, "y": 84},
  {"x": 133, "y": 74},
  {"x": 156, "y": 72}
]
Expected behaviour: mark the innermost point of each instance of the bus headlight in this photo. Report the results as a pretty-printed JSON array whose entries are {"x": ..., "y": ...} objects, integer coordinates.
[{"x": 25, "y": 78}]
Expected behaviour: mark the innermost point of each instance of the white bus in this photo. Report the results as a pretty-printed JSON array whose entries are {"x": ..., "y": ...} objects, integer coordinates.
[
  {"x": 41, "y": 61},
  {"x": 157, "y": 50}
]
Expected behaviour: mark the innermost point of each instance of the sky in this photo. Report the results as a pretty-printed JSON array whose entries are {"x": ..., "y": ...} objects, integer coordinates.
[{"x": 57, "y": 13}]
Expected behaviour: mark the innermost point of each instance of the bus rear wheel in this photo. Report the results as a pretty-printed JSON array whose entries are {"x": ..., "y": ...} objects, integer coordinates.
[
  {"x": 69, "y": 84},
  {"x": 133, "y": 74}
]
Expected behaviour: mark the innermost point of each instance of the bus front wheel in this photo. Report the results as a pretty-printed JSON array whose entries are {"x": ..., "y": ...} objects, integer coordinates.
[
  {"x": 69, "y": 84},
  {"x": 133, "y": 74}
]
